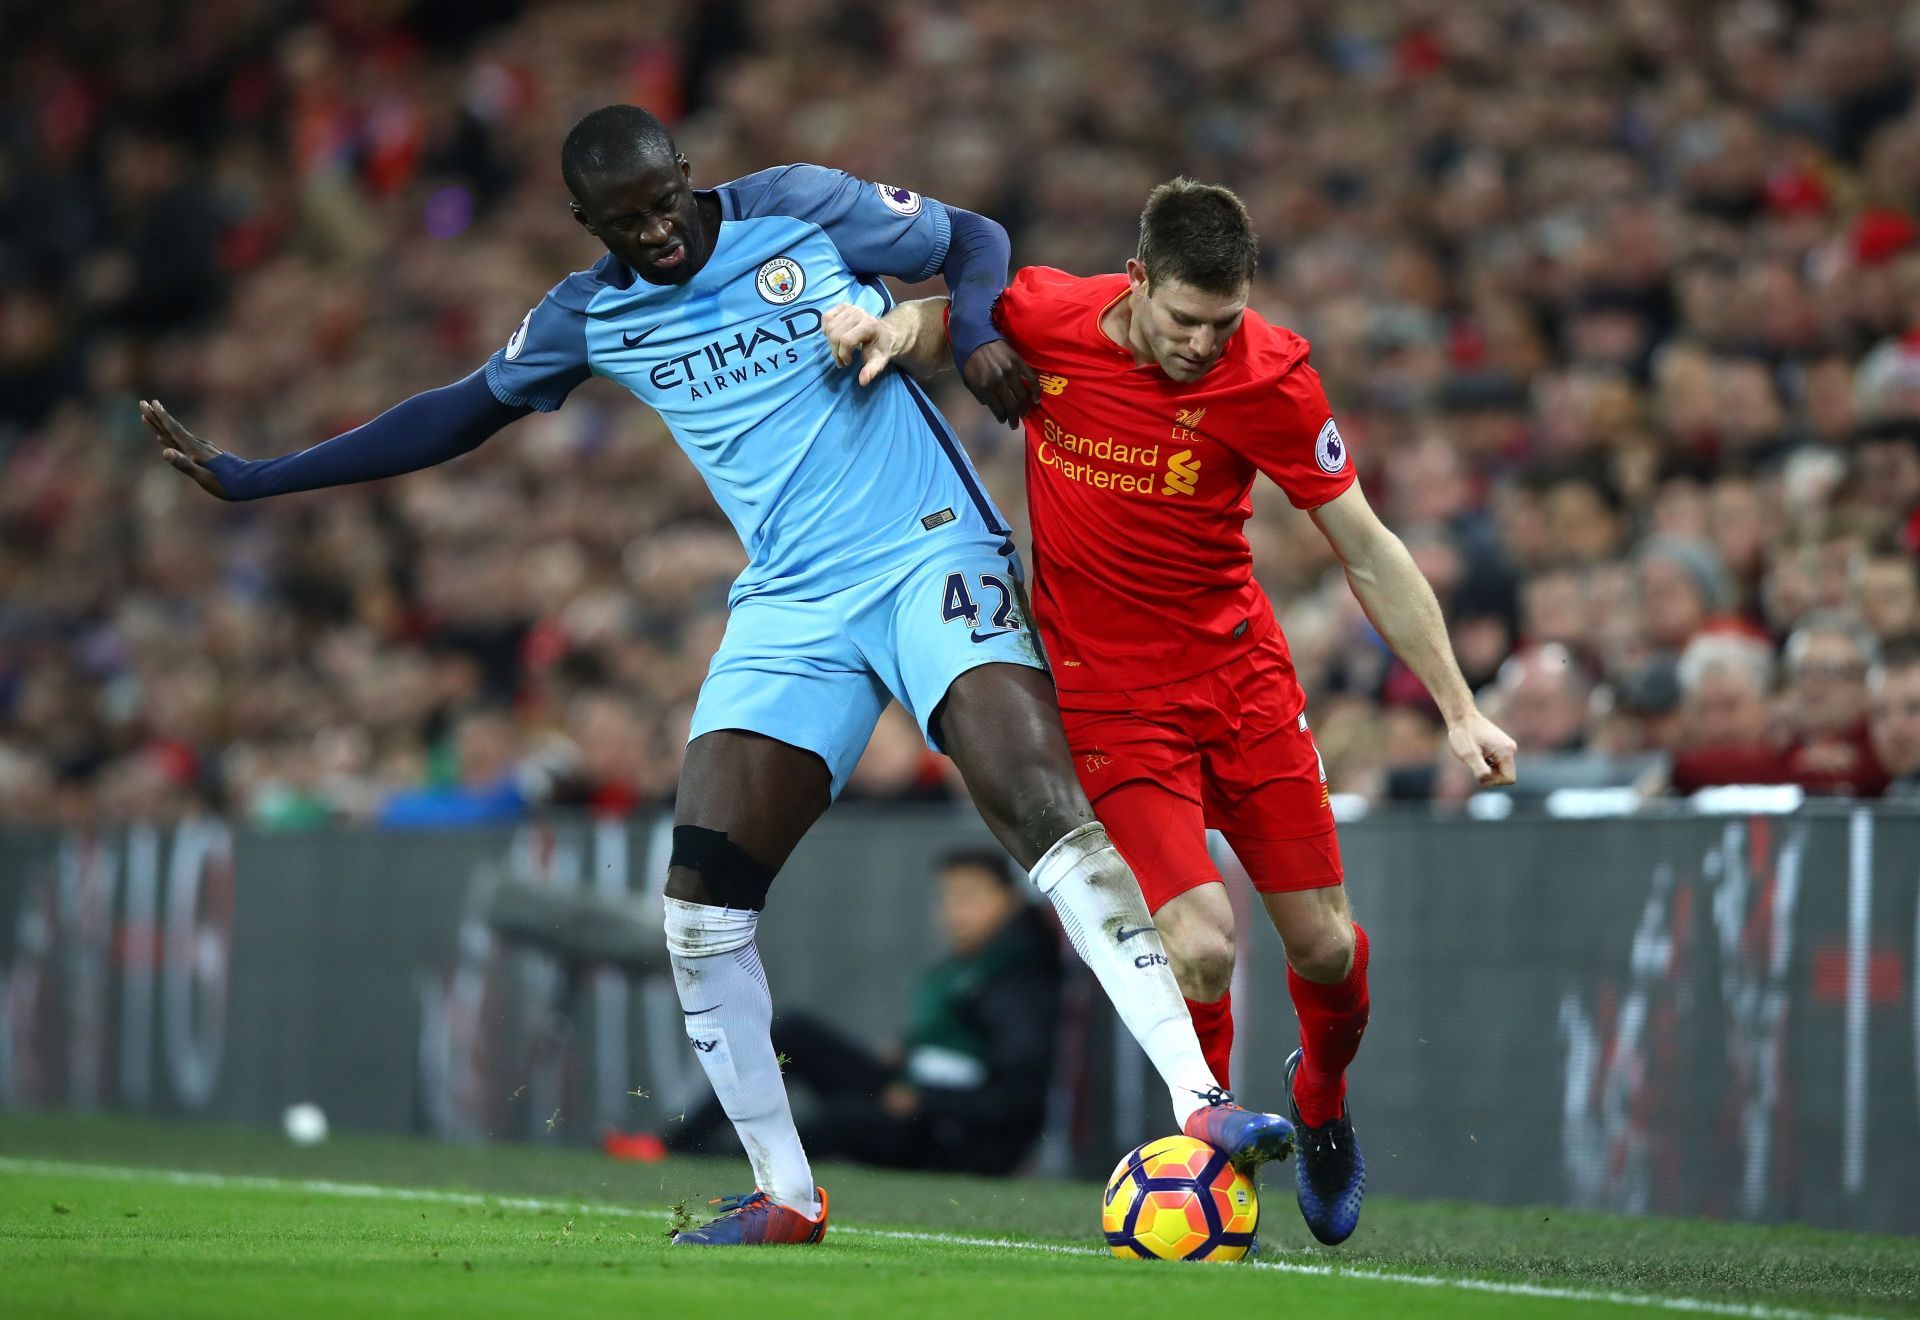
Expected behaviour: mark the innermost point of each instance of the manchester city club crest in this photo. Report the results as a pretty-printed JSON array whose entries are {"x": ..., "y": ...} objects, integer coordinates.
[
  {"x": 1330, "y": 450},
  {"x": 780, "y": 281}
]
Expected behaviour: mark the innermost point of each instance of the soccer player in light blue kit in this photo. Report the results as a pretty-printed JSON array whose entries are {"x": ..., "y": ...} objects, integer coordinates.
[{"x": 877, "y": 568}]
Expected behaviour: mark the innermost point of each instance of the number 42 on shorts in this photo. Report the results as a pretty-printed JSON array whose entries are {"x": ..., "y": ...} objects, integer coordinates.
[{"x": 957, "y": 602}]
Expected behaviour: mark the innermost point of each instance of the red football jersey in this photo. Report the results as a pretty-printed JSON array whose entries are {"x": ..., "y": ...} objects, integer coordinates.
[{"x": 1139, "y": 486}]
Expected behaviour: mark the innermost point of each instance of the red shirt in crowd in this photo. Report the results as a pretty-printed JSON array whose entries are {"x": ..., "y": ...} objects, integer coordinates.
[{"x": 1843, "y": 766}]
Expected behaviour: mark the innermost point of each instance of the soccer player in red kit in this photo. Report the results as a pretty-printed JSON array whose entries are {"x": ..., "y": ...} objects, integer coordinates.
[{"x": 1162, "y": 396}]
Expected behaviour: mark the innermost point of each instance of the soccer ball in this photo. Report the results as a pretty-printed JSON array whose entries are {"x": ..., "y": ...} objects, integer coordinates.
[
  {"x": 306, "y": 1125},
  {"x": 1178, "y": 1199}
]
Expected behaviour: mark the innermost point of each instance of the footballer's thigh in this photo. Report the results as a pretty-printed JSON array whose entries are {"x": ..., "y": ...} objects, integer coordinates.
[
  {"x": 1000, "y": 724},
  {"x": 955, "y": 644},
  {"x": 786, "y": 709}
]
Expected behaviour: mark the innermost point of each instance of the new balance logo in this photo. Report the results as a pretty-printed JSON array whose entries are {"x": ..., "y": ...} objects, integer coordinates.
[
  {"x": 1183, "y": 473},
  {"x": 1052, "y": 384}
]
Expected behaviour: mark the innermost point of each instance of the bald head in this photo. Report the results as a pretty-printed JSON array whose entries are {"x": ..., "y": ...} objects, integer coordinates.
[{"x": 614, "y": 142}]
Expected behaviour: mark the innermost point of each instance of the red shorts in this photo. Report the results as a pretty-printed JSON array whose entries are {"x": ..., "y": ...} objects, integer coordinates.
[{"x": 1226, "y": 750}]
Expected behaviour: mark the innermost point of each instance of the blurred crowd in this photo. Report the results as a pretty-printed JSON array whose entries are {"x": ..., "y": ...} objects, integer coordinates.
[{"x": 1618, "y": 302}]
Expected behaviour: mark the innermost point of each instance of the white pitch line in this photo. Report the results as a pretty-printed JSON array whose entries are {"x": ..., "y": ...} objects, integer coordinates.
[{"x": 377, "y": 1191}]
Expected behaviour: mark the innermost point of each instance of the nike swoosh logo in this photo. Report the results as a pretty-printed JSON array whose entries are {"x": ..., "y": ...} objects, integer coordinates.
[
  {"x": 979, "y": 636},
  {"x": 689, "y": 1012},
  {"x": 1122, "y": 936},
  {"x": 634, "y": 341}
]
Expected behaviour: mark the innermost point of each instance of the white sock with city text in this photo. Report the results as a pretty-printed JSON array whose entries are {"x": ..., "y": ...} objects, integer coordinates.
[
  {"x": 729, "y": 1015},
  {"x": 1099, "y": 904}
]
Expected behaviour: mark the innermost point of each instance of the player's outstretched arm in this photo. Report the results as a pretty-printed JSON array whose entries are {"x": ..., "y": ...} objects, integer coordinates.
[
  {"x": 1402, "y": 606},
  {"x": 913, "y": 337},
  {"x": 426, "y": 429}
]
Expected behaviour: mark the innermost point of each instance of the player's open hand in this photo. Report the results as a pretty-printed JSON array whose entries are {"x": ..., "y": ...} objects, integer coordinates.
[
  {"x": 1484, "y": 748},
  {"x": 182, "y": 448},
  {"x": 999, "y": 379},
  {"x": 854, "y": 331}
]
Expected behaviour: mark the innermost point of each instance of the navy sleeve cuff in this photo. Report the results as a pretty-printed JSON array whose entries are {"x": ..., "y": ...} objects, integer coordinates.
[{"x": 976, "y": 272}]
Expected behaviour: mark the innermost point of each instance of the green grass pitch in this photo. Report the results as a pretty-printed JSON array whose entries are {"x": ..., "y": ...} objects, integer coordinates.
[{"x": 112, "y": 1217}]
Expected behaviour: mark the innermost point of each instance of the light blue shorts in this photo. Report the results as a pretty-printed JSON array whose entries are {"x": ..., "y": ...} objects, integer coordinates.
[{"x": 817, "y": 673}]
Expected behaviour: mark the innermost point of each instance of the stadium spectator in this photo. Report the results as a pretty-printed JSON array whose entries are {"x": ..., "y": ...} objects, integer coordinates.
[
  {"x": 1821, "y": 741},
  {"x": 965, "y": 1088},
  {"x": 486, "y": 786},
  {"x": 1682, "y": 585},
  {"x": 1887, "y": 594},
  {"x": 1544, "y": 698},
  {"x": 604, "y": 766},
  {"x": 1894, "y": 716},
  {"x": 1889, "y": 468},
  {"x": 1639, "y": 714},
  {"x": 1827, "y": 661},
  {"x": 1725, "y": 682}
]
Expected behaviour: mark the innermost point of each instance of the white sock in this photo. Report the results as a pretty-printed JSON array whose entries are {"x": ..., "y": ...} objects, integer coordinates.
[
  {"x": 1098, "y": 902},
  {"x": 729, "y": 1015}
]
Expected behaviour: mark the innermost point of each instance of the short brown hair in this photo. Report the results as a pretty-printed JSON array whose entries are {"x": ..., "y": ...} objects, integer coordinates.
[{"x": 1199, "y": 234}]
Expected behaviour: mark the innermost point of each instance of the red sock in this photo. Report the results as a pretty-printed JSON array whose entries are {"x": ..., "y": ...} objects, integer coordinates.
[
  {"x": 1332, "y": 1017},
  {"x": 1213, "y": 1024}
]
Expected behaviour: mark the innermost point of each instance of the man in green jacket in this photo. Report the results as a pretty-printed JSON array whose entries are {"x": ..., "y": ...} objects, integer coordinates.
[{"x": 966, "y": 1088}]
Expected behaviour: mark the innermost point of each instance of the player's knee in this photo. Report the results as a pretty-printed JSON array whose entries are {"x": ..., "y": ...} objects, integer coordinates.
[
  {"x": 704, "y": 930},
  {"x": 709, "y": 868},
  {"x": 1047, "y": 806},
  {"x": 1202, "y": 959},
  {"x": 1324, "y": 953},
  {"x": 687, "y": 885}
]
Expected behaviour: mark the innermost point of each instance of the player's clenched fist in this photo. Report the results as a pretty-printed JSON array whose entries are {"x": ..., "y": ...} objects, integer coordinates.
[
  {"x": 853, "y": 330},
  {"x": 1484, "y": 748},
  {"x": 1001, "y": 380}
]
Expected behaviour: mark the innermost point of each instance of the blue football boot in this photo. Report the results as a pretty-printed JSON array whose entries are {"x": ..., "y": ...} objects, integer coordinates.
[
  {"x": 1330, "y": 1175},
  {"x": 1249, "y": 1138},
  {"x": 756, "y": 1220}
]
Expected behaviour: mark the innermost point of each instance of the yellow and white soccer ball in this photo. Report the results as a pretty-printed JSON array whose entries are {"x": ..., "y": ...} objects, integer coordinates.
[{"x": 1178, "y": 1199}]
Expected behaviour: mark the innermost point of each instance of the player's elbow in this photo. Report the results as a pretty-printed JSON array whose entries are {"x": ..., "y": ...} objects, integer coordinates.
[
  {"x": 971, "y": 224},
  {"x": 1369, "y": 556},
  {"x": 976, "y": 242}
]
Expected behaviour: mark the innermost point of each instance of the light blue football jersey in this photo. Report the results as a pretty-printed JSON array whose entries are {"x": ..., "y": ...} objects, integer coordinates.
[{"x": 827, "y": 482}]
